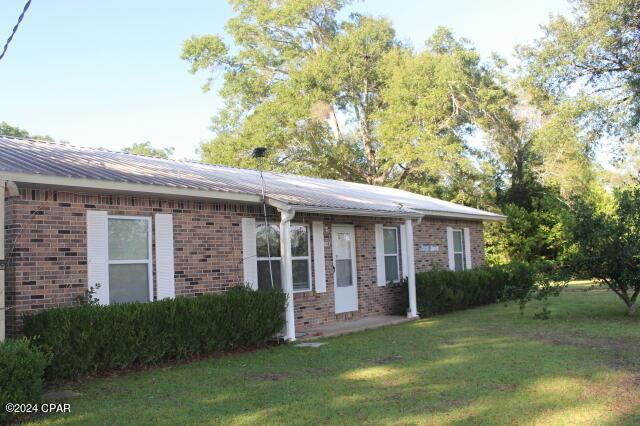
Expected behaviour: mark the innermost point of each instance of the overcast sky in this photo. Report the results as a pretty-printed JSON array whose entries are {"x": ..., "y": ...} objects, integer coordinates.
[{"x": 109, "y": 74}]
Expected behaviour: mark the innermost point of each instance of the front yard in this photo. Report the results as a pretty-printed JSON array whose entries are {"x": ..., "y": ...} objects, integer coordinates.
[{"x": 486, "y": 365}]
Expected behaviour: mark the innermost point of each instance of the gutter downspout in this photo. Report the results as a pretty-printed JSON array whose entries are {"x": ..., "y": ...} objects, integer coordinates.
[
  {"x": 287, "y": 279},
  {"x": 413, "y": 306},
  {"x": 2, "y": 267}
]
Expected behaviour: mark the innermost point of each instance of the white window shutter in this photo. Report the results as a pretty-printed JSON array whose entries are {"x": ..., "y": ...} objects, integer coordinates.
[
  {"x": 405, "y": 251},
  {"x": 249, "y": 253},
  {"x": 165, "y": 277},
  {"x": 467, "y": 249},
  {"x": 452, "y": 262},
  {"x": 382, "y": 280},
  {"x": 98, "y": 254},
  {"x": 318, "y": 257}
]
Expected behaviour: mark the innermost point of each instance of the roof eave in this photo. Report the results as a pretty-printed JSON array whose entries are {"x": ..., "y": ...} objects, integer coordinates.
[
  {"x": 489, "y": 217},
  {"x": 126, "y": 187},
  {"x": 343, "y": 211}
]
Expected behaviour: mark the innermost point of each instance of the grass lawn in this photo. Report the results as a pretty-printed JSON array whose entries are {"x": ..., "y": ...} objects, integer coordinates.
[{"x": 482, "y": 366}]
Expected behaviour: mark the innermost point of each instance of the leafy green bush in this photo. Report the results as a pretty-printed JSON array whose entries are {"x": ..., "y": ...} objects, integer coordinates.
[
  {"x": 21, "y": 373},
  {"x": 93, "y": 338},
  {"x": 441, "y": 291}
]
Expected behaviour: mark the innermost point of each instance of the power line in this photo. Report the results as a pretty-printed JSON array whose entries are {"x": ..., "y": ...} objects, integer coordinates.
[{"x": 15, "y": 28}]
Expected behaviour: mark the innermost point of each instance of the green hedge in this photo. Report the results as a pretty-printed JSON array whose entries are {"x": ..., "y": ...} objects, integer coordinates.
[
  {"x": 21, "y": 373},
  {"x": 93, "y": 338},
  {"x": 441, "y": 291}
]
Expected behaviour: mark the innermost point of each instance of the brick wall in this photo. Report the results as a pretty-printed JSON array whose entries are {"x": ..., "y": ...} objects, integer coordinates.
[
  {"x": 46, "y": 247},
  {"x": 433, "y": 231}
]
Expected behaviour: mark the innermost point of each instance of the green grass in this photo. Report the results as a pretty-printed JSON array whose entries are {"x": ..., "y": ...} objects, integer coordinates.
[{"x": 482, "y": 366}]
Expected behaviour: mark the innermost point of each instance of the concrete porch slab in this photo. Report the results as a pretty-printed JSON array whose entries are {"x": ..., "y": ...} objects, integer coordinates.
[{"x": 351, "y": 326}]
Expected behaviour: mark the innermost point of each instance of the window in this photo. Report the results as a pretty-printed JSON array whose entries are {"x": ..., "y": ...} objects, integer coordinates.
[
  {"x": 268, "y": 246},
  {"x": 458, "y": 250},
  {"x": 300, "y": 259},
  {"x": 129, "y": 259},
  {"x": 391, "y": 255}
]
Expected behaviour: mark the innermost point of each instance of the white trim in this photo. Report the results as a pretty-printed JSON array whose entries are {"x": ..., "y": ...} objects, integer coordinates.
[
  {"x": 165, "y": 257},
  {"x": 287, "y": 281},
  {"x": 142, "y": 188},
  {"x": 405, "y": 251},
  {"x": 249, "y": 264},
  {"x": 319, "y": 265},
  {"x": 381, "y": 277},
  {"x": 467, "y": 249},
  {"x": 148, "y": 262},
  {"x": 347, "y": 212},
  {"x": 396, "y": 254},
  {"x": 411, "y": 284},
  {"x": 98, "y": 254},
  {"x": 482, "y": 217}
]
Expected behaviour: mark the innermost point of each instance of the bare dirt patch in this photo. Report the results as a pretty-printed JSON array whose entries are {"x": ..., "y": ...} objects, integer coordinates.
[
  {"x": 616, "y": 350},
  {"x": 623, "y": 396}
]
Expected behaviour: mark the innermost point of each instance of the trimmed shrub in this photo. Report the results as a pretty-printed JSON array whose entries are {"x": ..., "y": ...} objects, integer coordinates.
[
  {"x": 441, "y": 291},
  {"x": 21, "y": 373},
  {"x": 92, "y": 338}
]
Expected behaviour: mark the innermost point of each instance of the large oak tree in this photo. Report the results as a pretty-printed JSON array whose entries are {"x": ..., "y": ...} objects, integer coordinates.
[{"x": 344, "y": 98}]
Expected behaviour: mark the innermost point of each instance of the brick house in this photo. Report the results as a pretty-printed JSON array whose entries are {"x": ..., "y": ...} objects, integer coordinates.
[{"x": 146, "y": 229}]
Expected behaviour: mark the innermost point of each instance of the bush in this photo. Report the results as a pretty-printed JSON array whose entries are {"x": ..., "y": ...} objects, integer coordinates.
[
  {"x": 21, "y": 373},
  {"x": 93, "y": 338},
  {"x": 441, "y": 291}
]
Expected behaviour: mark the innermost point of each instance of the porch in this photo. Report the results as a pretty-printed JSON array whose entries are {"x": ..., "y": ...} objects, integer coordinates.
[{"x": 352, "y": 326}]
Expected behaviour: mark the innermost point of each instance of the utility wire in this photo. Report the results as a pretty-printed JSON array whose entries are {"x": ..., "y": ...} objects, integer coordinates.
[
  {"x": 266, "y": 222},
  {"x": 15, "y": 28}
]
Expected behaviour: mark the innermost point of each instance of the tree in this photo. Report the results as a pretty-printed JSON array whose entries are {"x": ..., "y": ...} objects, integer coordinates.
[
  {"x": 542, "y": 156},
  {"x": 147, "y": 150},
  {"x": 598, "y": 50},
  {"x": 7, "y": 129},
  {"x": 606, "y": 244},
  {"x": 344, "y": 99}
]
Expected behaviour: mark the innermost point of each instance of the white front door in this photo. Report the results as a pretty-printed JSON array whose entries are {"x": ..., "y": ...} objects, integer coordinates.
[{"x": 345, "y": 279}]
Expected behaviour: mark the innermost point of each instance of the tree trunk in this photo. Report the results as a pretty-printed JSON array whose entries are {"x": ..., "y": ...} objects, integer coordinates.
[{"x": 633, "y": 308}]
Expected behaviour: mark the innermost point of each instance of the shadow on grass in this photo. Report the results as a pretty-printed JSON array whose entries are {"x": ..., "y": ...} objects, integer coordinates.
[{"x": 431, "y": 371}]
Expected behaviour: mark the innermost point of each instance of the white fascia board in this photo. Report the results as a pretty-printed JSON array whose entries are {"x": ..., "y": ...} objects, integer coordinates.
[
  {"x": 471, "y": 216},
  {"x": 283, "y": 207},
  {"x": 356, "y": 212},
  {"x": 137, "y": 188}
]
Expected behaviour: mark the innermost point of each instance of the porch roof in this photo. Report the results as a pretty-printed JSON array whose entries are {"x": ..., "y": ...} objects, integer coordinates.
[{"x": 64, "y": 165}]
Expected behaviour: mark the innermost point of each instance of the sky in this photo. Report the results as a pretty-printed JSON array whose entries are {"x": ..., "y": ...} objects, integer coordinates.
[{"x": 109, "y": 74}]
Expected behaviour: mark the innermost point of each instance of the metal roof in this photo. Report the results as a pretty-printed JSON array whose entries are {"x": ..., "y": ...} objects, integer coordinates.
[{"x": 28, "y": 157}]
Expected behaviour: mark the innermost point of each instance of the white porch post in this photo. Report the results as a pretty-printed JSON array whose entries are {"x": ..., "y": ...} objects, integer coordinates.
[
  {"x": 413, "y": 308},
  {"x": 2, "y": 305},
  {"x": 287, "y": 275}
]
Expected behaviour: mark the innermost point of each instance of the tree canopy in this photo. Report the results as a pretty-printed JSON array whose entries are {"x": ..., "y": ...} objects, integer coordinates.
[
  {"x": 596, "y": 50},
  {"x": 344, "y": 98},
  {"x": 146, "y": 149},
  {"x": 340, "y": 96},
  {"x": 7, "y": 129}
]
